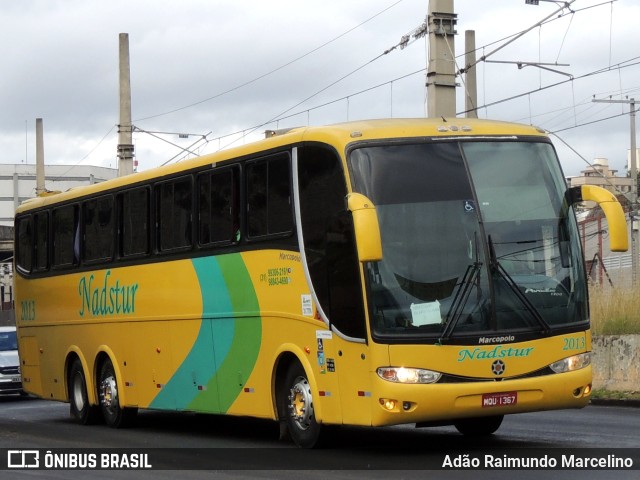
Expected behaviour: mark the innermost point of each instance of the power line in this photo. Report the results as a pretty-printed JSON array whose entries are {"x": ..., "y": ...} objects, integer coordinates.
[
  {"x": 587, "y": 103},
  {"x": 310, "y": 97},
  {"x": 618, "y": 66},
  {"x": 281, "y": 117},
  {"x": 544, "y": 22},
  {"x": 402, "y": 44},
  {"x": 591, "y": 123},
  {"x": 90, "y": 152}
]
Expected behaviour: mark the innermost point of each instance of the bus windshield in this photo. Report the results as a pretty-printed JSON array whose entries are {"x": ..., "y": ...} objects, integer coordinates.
[{"x": 477, "y": 240}]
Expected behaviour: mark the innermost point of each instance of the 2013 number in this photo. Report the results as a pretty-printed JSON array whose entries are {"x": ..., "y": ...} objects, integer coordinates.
[
  {"x": 574, "y": 343},
  {"x": 28, "y": 310}
]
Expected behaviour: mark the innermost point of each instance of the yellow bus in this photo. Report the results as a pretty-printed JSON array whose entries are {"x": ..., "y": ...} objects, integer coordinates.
[{"x": 403, "y": 271}]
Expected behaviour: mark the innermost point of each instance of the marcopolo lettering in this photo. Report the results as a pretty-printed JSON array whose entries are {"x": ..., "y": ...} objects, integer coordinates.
[
  {"x": 497, "y": 352},
  {"x": 490, "y": 340},
  {"x": 106, "y": 297}
]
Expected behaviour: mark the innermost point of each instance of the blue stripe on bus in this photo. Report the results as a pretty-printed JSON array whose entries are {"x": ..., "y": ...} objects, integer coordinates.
[{"x": 199, "y": 367}]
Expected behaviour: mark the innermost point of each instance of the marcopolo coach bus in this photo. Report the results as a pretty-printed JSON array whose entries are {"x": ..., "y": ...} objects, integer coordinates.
[{"x": 370, "y": 273}]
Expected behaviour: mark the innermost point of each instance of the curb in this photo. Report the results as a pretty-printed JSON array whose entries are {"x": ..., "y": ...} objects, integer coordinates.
[{"x": 615, "y": 402}]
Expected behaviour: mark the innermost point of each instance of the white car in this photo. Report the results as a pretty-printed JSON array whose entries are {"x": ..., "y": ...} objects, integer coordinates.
[{"x": 10, "y": 378}]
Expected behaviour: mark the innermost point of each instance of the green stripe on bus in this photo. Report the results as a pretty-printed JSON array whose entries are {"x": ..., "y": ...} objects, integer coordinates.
[
  {"x": 225, "y": 351},
  {"x": 234, "y": 368}
]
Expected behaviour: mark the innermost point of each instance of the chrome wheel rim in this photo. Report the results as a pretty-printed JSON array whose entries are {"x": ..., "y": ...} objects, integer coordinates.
[
  {"x": 301, "y": 403},
  {"x": 109, "y": 394}
]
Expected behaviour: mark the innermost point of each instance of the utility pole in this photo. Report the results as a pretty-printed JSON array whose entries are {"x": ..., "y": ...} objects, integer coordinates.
[
  {"x": 470, "y": 83},
  {"x": 633, "y": 196},
  {"x": 441, "y": 73},
  {"x": 40, "y": 188},
  {"x": 125, "y": 128}
]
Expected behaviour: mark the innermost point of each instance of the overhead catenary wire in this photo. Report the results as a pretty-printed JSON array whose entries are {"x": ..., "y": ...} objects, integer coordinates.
[
  {"x": 520, "y": 33},
  {"x": 335, "y": 82},
  {"x": 323, "y": 105},
  {"x": 592, "y": 122},
  {"x": 285, "y": 114},
  {"x": 284, "y": 117},
  {"x": 419, "y": 32},
  {"x": 607, "y": 180},
  {"x": 237, "y": 87},
  {"x": 402, "y": 44},
  {"x": 353, "y": 94},
  {"x": 71, "y": 167},
  {"x": 576, "y": 108},
  {"x": 620, "y": 65}
]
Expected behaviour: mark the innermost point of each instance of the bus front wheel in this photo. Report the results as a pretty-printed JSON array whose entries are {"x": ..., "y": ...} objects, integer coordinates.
[
  {"x": 299, "y": 413},
  {"x": 114, "y": 415},
  {"x": 79, "y": 407},
  {"x": 479, "y": 426}
]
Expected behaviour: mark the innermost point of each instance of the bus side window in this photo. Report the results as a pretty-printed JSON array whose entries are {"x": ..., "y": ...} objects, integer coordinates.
[
  {"x": 41, "y": 242},
  {"x": 219, "y": 201},
  {"x": 269, "y": 197},
  {"x": 24, "y": 244},
  {"x": 174, "y": 213},
  {"x": 98, "y": 229},
  {"x": 66, "y": 236},
  {"x": 133, "y": 207}
]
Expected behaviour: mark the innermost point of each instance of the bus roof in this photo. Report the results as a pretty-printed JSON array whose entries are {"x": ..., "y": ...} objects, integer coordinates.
[{"x": 339, "y": 135}]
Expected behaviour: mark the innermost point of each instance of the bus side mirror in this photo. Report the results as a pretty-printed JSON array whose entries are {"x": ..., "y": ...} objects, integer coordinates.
[
  {"x": 618, "y": 236},
  {"x": 366, "y": 227}
]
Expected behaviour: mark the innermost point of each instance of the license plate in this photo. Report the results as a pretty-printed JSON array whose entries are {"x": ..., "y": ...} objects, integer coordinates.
[
  {"x": 503, "y": 399},
  {"x": 16, "y": 379}
]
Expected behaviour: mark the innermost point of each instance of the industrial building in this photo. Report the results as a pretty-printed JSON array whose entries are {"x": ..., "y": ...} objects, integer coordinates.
[{"x": 17, "y": 184}]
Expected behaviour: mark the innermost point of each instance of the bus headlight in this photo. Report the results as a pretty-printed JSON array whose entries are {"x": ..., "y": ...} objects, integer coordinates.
[
  {"x": 408, "y": 375},
  {"x": 569, "y": 364}
]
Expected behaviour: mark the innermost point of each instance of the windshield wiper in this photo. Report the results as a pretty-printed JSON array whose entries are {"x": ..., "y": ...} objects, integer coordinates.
[
  {"x": 497, "y": 267},
  {"x": 459, "y": 301}
]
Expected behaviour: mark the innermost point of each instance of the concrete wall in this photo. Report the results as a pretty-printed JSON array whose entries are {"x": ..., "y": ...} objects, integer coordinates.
[{"x": 616, "y": 362}]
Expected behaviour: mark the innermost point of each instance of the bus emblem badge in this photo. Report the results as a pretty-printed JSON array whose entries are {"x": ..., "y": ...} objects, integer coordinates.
[{"x": 498, "y": 367}]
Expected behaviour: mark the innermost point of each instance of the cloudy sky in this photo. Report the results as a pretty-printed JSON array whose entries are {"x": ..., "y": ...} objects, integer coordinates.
[{"x": 231, "y": 69}]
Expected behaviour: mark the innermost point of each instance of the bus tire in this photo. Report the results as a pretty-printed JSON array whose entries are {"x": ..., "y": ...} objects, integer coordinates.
[
  {"x": 298, "y": 408},
  {"x": 479, "y": 426},
  {"x": 79, "y": 407},
  {"x": 114, "y": 415}
]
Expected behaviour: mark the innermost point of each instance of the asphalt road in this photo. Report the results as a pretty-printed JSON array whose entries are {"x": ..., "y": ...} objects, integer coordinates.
[{"x": 247, "y": 448}]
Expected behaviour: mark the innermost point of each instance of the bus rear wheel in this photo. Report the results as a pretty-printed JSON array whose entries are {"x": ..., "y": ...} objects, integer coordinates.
[
  {"x": 79, "y": 407},
  {"x": 479, "y": 426},
  {"x": 114, "y": 415},
  {"x": 299, "y": 413}
]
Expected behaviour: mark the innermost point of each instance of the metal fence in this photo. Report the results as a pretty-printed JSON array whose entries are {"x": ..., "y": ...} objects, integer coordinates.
[{"x": 604, "y": 267}]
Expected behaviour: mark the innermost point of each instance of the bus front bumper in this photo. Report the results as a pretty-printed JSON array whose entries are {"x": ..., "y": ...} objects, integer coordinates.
[{"x": 422, "y": 403}]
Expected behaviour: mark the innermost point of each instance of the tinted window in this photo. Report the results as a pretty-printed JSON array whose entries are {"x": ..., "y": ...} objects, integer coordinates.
[
  {"x": 174, "y": 214},
  {"x": 24, "y": 258},
  {"x": 98, "y": 229},
  {"x": 66, "y": 237},
  {"x": 134, "y": 222},
  {"x": 219, "y": 201},
  {"x": 269, "y": 197},
  {"x": 329, "y": 240},
  {"x": 41, "y": 257}
]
